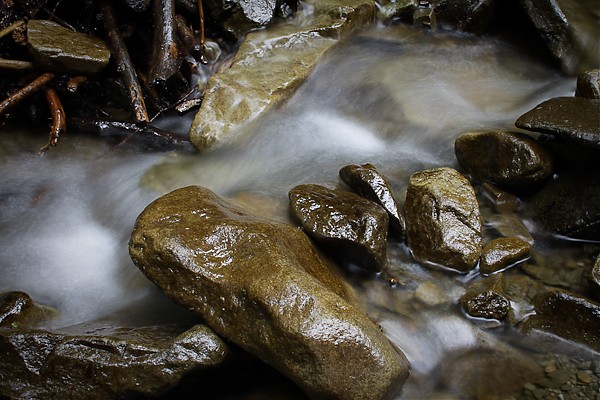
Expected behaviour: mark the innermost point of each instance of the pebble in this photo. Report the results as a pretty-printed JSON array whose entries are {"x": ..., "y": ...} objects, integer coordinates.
[{"x": 584, "y": 377}]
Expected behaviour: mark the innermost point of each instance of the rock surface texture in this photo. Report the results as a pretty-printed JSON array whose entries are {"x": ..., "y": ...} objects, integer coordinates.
[
  {"x": 103, "y": 363},
  {"x": 61, "y": 49},
  {"x": 443, "y": 223},
  {"x": 568, "y": 118},
  {"x": 354, "y": 226},
  {"x": 368, "y": 182},
  {"x": 261, "y": 285},
  {"x": 270, "y": 65},
  {"x": 501, "y": 253},
  {"x": 511, "y": 160}
]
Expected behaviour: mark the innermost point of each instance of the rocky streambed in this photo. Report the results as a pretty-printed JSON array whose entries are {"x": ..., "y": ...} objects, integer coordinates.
[{"x": 477, "y": 278}]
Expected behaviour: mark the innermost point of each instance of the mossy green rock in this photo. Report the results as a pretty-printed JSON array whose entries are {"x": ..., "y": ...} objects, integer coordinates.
[
  {"x": 354, "y": 226},
  {"x": 443, "y": 222},
  {"x": 511, "y": 160},
  {"x": 261, "y": 285},
  {"x": 103, "y": 363},
  {"x": 61, "y": 49}
]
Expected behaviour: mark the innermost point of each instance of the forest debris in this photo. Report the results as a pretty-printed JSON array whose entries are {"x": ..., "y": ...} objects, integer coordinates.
[
  {"x": 167, "y": 52},
  {"x": 25, "y": 92},
  {"x": 15, "y": 64},
  {"x": 124, "y": 64},
  {"x": 11, "y": 28},
  {"x": 58, "y": 119}
]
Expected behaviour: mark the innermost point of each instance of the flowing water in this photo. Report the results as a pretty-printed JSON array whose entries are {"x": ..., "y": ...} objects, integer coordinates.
[{"x": 394, "y": 97}]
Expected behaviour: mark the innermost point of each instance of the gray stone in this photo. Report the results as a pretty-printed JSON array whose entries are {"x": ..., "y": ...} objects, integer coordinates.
[
  {"x": 104, "y": 362},
  {"x": 572, "y": 119},
  {"x": 61, "y": 49},
  {"x": 368, "y": 182},
  {"x": 568, "y": 316},
  {"x": 352, "y": 225},
  {"x": 502, "y": 253},
  {"x": 511, "y": 160},
  {"x": 443, "y": 223},
  {"x": 570, "y": 30},
  {"x": 588, "y": 84},
  {"x": 486, "y": 298},
  {"x": 270, "y": 64},
  {"x": 261, "y": 285},
  {"x": 569, "y": 205}
]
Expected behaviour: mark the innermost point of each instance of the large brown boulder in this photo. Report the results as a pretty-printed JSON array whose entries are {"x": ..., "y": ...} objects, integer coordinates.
[
  {"x": 443, "y": 222},
  {"x": 262, "y": 285}
]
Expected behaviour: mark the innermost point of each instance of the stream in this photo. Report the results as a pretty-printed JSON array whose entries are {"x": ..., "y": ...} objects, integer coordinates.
[{"x": 394, "y": 97}]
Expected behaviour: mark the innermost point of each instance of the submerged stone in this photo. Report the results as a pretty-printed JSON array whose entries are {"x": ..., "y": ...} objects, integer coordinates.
[
  {"x": 567, "y": 315},
  {"x": 570, "y": 30},
  {"x": 368, "y": 182},
  {"x": 352, "y": 225},
  {"x": 486, "y": 298},
  {"x": 572, "y": 119},
  {"x": 270, "y": 64},
  {"x": 466, "y": 15},
  {"x": 569, "y": 205},
  {"x": 502, "y": 253},
  {"x": 104, "y": 363},
  {"x": 18, "y": 310},
  {"x": 61, "y": 49},
  {"x": 261, "y": 285},
  {"x": 501, "y": 201},
  {"x": 588, "y": 84},
  {"x": 443, "y": 223},
  {"x": 511, "y": 160}
]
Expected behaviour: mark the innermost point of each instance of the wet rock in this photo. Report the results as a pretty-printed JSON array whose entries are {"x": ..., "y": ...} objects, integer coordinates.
[
  {"x": 425, "y": 15},
  {"x": 18, "y": 310},
  {"x": 443, "y": 223},
  {"x": 521, "y": 290},
  {"x": 501, "y": 201},
  {"x": 509, "y": 225},
  {"x": 137, "y": 5},
  {"x": 502, "y": 253},
  {"x": 466, "y": 15},
  {"x": 511, "y": 160},
  {"x": 569, "y": 205},
  {"x": 269, "y": 65},
  {"x": 61, "y": 49},
  {"x": 571, "y": 119},
  {"x": 240, "y": 17},
  {"x": 400, "y": 9},
  {"x": 569, "y": 29},
  {"x": 566, "y": 315},
  {"x": 368, "y": 182},
  {"x": 595, "y": 278},
  {"x": 261, "y": 285},
  {"x": 588, "y": 84},
  {"x": 354, "y": 226},
  {"x": 486, "y": 298},
  {"x": 107, "y": 362},
  {"x": 491, "y": 374}
]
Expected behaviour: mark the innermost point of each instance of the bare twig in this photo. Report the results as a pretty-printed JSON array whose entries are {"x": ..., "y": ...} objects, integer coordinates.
[
  {"x": 15, "y": 64},
  {"x": 203, "y": 59},
  {"x": 10, "y": 28},
  {"x": 25, "y": 92},
  {"x": 166, "y": 51},
  {"x": 58, "y": 119},
  {"x": 124, "y": 64}
]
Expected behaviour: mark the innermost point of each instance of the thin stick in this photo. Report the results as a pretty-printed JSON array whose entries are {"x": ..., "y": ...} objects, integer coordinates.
[
  {"x": 202, "y": 41},
  {"x": 124, "y": 64},
  {"x": 166, "y": 50},
  {"x": 25, "y": 92},
  {"x": 58, "y": 119},
  {"x": 10, "y": 28},
  {"x": 15, "y": 64}
]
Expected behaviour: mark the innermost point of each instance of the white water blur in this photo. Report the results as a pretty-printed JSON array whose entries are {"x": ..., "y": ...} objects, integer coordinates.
[{"x": 391, "y": 97}]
